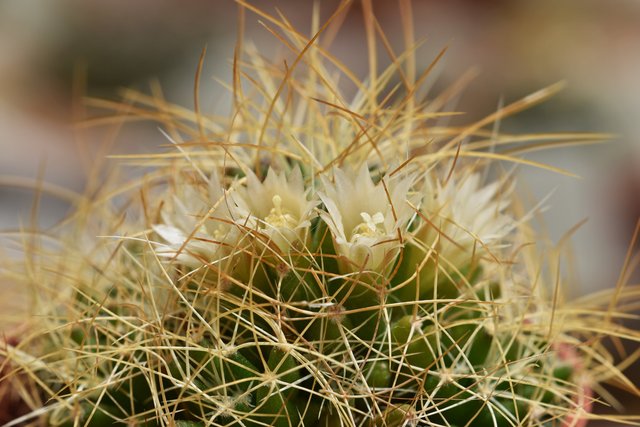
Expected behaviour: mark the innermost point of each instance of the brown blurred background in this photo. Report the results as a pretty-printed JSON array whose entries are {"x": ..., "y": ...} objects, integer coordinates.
[{"x": 519, "y": 46}]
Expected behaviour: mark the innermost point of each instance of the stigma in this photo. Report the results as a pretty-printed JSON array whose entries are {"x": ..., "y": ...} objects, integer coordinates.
[
  {"x": 369, "y": 227},
  {"x": 279, "y": 217}
]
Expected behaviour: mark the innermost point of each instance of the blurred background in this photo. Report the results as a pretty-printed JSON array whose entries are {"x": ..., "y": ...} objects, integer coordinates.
[{"x": 53, "y": 51}]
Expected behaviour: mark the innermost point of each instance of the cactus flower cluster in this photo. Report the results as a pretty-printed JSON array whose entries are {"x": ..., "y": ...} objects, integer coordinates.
[{"x": 310, "y": 260}]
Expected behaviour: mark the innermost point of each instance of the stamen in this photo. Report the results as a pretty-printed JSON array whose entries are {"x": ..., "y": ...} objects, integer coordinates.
[{"x": 219, "y": 233}]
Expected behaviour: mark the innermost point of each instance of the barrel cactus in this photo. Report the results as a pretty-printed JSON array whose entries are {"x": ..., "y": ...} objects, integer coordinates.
[{"x": 312, "y": 259}]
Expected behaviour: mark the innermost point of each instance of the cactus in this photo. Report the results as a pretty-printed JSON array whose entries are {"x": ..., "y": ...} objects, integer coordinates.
[{"x": 309, "y": 261}]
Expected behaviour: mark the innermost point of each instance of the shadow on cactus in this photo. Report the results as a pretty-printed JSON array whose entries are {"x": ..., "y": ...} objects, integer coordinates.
[{"x": 311, "y": 259}]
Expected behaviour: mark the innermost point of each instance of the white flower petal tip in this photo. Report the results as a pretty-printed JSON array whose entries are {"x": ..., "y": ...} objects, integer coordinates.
[
  {"x": 172, "y": 235},
  {"x": 367, "y": 219}
]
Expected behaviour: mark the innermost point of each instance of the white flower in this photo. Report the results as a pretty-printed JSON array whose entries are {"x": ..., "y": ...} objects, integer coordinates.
[
  {"x": 198, "y": 227},
  {"x": 278, "y": 207},
  {"x": 364, "y": 220},
  {"x": 465, "y": 218}
]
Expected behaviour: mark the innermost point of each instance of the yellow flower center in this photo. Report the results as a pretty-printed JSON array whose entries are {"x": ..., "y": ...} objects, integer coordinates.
[
  {"x": 369, "y": 227},
  {"x": 279, "y": 217},
  {"x": 219, "y": 233}
]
